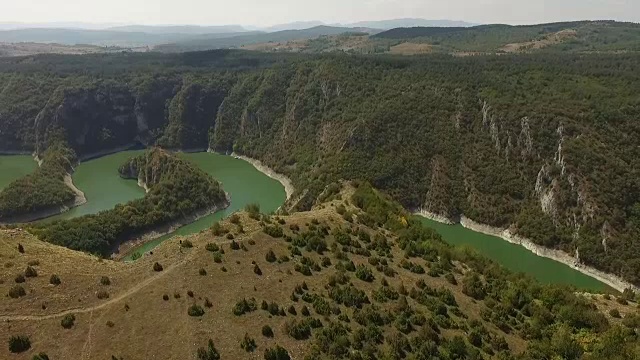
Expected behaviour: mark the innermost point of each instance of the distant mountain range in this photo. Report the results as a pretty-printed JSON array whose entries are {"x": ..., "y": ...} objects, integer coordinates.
[{"x": 192, "y": 37}]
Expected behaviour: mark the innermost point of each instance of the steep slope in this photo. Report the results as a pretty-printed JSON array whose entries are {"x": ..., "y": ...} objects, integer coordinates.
[
  {"x": 541, "y": 144},
  {"x": 329, "y": 283}
]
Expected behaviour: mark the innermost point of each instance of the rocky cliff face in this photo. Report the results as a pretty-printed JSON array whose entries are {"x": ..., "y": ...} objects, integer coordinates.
[{"x": 496, "y": 145}]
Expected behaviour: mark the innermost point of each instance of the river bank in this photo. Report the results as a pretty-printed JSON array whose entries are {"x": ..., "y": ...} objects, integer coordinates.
[
  {"x": 507, "y": 235},
  {"x": 128, "y": 247},
  {"x": 282, "y": 179}
]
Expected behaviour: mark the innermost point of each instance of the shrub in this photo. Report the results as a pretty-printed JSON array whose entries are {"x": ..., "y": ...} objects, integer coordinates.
[
  {"x": 364, "y": 273},
  {"x": 292, "y": 310},
  {"x": 40, "y": 356},
  {"x": 190, "y": 293},
  {"x": 256, "y": 270},
  {"x": 195, "y": 310},
  {"x": 20, "y": 343},
  {"x": 176, "y": 295},
  {"x": 267, "y": 331},
  {"x": 614, "y": 313},
  {"x": 102, "y": 295},
  {"x": 105, "y": 281},
  {"x": 305, "y": 310},
  {"x": 20, "y": 249},
  {"x": 136, "y": 255},
  {"x": 165, "y": 297},
  {"x": 234, "y": 219},
  {"x": 273, "y": 231},
  {"x": 54, "y": 280},
  {"x": 271, "y": 256},
  {"x": 30, "y": 272},
  {"x": 210, "y": 353},
  {"x": 217, "y": 257},
  {"x": 68, "y": 321},
  {"x": 217, "y": 229},
  {"x": 186, "y": 244},
  {"x": 16, "y": 292},
  {"x": 248, "y": 344},
  {"x": 212, "y": 247},
  {"x": 299, "y": 330},
  {"x": 230, "y": 236},
  {"x": 157, "y": 267},
  {"x": 234, "y": 245},
  {"x": 20, "y": 279},
  {"x": 277, "y": 353},
  {"x": 110, "y": 324},
  {"x": 202, "y": 272},
  {"x": 207, "y": 303},
  {"x": 244, "y": 306}
]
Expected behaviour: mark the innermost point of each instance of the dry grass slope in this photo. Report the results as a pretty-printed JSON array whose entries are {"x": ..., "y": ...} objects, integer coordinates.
[{"x": 146, "y": 313}]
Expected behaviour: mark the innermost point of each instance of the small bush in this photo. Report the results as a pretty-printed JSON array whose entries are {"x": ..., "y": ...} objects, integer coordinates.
[
  {"x": 176, "y": 295},
  {"x": 212, "y": 247},
  {"x": 157, "y": 267},
  {"x": 271, "y": 256},
  {"x": 305, "y": 310},
  {"x": 267, "y": 331},
  {"x": 18, "y": 344},
  {"x": 217, "y": 229},
  {"x": 217, "y": 257},
  {"x": 186, "y": 244},
  {"x": 190, "y": 293},
  {"x": 207, "y": 303},
  {"x": 614, "y": 313},
  {"x": 230, "y": 236},
  {"x": 364, "y": 273},
  {"x": 40, "y": 356},
  {"x": 234, "y": 245},
  {"x": 54, "y": 280},
  {"x": 68, "y": 321},
  {"x": 165, "y": 297},
  {"x": 105, "y": 281},
  {"x": 210, "y": 353},
  {"x": 234, "y": 219},
  {"x": 244, "y": 306},
  {"x": 20, "y": 279},
  {"x": 110, "y": 324},
  {"x": 253, "y": 210},
  {"x": 20, "y": 249},
  {"x": 256, "y": 270},
  {"x": 202, "y": 272},
  {"x": 16, "y": 292},
  {"x": 273, "y": 231},
  {"x": 195, "y": 310},
  {"x": 277, "y": 353},
  {"x": 30, "y": 272},
  {"x": 102, "y": 295},
  {"x": 292, "y": 310},
  {"x": 248, "y": 344}
]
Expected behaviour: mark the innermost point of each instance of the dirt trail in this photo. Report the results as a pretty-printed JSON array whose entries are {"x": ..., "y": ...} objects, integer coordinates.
[
  {"x": 111, "y": 301},
  {"x": 131, "y": 291}
]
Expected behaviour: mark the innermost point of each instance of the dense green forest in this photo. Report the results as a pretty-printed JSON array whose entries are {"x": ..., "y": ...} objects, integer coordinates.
[
  {"x": 177, "y": 189},
  {"x": 543, "y": 143},
  {"x": 579, "y": 36}
]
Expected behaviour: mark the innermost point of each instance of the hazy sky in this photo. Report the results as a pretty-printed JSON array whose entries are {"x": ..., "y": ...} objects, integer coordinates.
[{"x": 269, "y": 12}]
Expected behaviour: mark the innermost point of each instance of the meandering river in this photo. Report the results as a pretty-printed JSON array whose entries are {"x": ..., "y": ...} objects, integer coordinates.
[
  {"x": 103, "y": 187},
  {"x": 516, "y": 257}
]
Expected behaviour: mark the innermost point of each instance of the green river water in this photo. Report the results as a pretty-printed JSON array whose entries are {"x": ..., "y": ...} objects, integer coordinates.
[
  {"x": 516, "y": 257},
  {"x": 13, "y": 167},
  {"x": 103, "y": 187}
]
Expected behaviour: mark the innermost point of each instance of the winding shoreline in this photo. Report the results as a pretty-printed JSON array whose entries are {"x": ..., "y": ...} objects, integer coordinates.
[
  {"x": 611, "y": 280},
  {"x": 127, "y": 247},
  {"x": 282, "y": 179}
]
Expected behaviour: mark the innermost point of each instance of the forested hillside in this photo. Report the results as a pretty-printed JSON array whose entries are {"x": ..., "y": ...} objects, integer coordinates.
[
  {"x": 579, "y": 36},
  {"x": 545, "y": 144}
]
